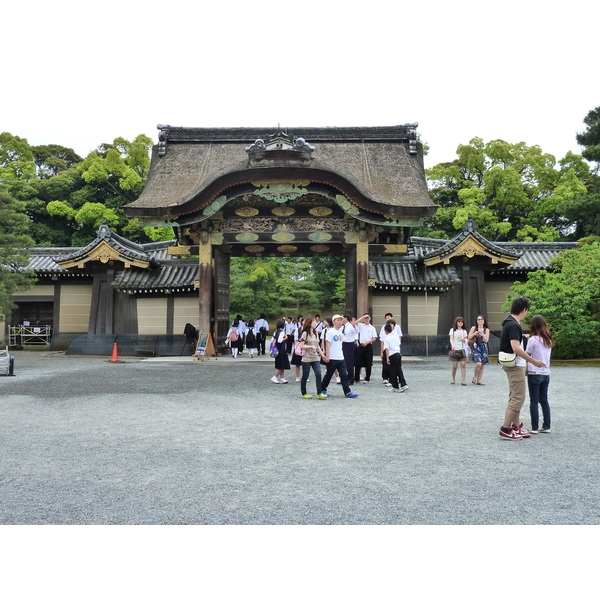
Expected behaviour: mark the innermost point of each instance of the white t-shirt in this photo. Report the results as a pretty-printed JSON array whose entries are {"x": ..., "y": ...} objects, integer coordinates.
[
  {"x": 366, "y": 332},
  {"x": 397, "y": 329},
  {"x": 391, "y": 342},
  {"x": 261, "y": 323},
  {"x": 349, "y": 332},
  {"x": 335, "y": 337}
]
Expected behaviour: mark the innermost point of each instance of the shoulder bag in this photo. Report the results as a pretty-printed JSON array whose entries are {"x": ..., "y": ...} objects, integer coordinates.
[{"x": 507, "y": 359}]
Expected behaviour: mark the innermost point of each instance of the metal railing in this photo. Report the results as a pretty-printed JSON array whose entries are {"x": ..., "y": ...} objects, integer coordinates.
[{"x": 22, "y": 335}]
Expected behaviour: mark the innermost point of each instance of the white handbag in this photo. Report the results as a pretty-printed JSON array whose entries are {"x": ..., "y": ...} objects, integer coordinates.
[{"x": 507, "y": 359}]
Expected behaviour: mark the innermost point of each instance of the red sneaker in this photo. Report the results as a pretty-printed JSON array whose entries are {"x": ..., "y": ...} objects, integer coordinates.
[
  {"x": 510, "y": 435},
  {"x": 521, "y": 430}
]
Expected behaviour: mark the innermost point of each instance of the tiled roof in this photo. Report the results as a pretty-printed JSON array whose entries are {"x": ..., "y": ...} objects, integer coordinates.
[
  {"x": 171, "y": 273},
  {"x": 531, "y": 255},
  {"x": 380, "y": 168},
  {"x": 394, "y": 274},
  {"x": 534, "y": 255},
  {"x": 176, "y": 275}
]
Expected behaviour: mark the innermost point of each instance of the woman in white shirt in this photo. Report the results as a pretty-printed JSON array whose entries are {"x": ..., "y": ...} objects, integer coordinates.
[
  {"x": 458, "y": 336},
  {"x": 539, "y": 345}
]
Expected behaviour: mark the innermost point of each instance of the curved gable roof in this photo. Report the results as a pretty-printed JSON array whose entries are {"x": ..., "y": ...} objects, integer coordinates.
[{"x": 380, "y": 168}]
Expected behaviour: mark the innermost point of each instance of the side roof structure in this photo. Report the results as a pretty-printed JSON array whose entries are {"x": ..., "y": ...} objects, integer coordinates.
[{"x": 174, "y": 273}]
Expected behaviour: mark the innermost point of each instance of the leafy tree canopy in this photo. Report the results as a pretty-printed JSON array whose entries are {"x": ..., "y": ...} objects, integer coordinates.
[
  {"x": 590, "y": 137},
  {"x": 568, "y": 296},
  {"x": 513, "y": 192},
  {"x": 288, "y": 286},
  {"x": 67, "y": 198},
  {"x": 13, "y": 254}
]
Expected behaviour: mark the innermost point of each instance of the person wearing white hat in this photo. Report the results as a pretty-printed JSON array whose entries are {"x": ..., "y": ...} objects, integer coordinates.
[{"x": 334, "y": 358}]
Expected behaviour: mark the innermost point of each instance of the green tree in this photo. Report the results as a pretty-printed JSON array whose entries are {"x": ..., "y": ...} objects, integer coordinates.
[
  {"x": 590, "y": 137},
  {"x": 584, "y": 209},
  {"x": 67, "y": 197},
  {"x": 277, "y": 286},
  {"x": 52, "y": 159},
  {"x": 13, "y": 254},
  {"x": 16, "y": 159},
  {"x": 568, "y": 296},
  {"x": 513, "y": 192}
]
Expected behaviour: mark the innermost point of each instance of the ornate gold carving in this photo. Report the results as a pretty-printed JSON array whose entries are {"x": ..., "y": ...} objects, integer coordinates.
[
  {"x": 178, "y": 250},
  {"x": 319, "y": 248},
  {"x": 283, "y": 211},
  {"x": 255, "y": 249},
  {"x": 205, "y": 256},
  {"x": 272, "y": 224},
  {"x": 282, "y": 191},
  {"x": 320, "y": 211},
  {"x": 283, "y": 237},
  {"x": 287, "y": 249},
  {"x": 344, "y": 203},
  {"x": 246, "y": 211},
  {"x": 319, "y": 236},
  {"x": 362, "y": 252},
  {"x": 468, "y": 248},
  {"x": 351, "y": 237},
  {"x": 246, "y": 237},
  {"x": 372, "y": 282},
  {"x": 215, "y": 206},
  {"x": 104, "y": 253},
  {"x": 395, "y": 248}
]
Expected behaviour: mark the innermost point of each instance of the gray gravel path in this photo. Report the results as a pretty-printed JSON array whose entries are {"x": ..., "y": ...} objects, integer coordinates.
[{"x": 175, "y": 441}]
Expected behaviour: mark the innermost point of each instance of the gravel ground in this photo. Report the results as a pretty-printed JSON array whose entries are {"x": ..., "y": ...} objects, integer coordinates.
[{"x": 174, "y": 441}]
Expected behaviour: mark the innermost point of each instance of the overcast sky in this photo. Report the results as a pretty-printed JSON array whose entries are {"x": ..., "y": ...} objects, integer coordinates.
[{"x": 79, "y": 74}]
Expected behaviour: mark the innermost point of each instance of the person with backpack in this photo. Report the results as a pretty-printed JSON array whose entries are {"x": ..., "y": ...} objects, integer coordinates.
[
  {"x": 262, "y": 331},
  {"x": 282, "y": 362},
  {"x": 234, "y": 338},
  {"x": 309, "y": 341},
  {"x": 251, "y": 338}
]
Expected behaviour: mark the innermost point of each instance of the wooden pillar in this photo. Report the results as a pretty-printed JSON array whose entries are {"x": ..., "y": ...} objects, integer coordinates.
[
  {"x": 205, "y": 283},
  {"x": 362, "y": 275}
]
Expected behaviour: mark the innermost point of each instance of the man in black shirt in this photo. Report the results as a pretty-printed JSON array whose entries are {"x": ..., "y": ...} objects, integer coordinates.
[{"x": 510, "y": 342}]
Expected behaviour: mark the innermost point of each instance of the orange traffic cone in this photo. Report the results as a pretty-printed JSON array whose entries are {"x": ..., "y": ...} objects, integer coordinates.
[{"x": 115, "y": 354}]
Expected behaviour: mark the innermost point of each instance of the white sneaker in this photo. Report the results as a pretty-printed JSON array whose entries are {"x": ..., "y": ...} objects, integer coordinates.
[
  {"x": 297, "y": 379},
  {"x": 386, "y": 382},
  {"x": 404, "y": 388},
  {"x": 338, "y": 380},
  {"x": 283, "y": 381},
  {"x": 274, "y": 379}
]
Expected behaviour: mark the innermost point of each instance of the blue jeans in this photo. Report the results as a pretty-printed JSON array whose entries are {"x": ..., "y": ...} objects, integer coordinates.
[
  {"x": 306, "y": 367},
  {"x": 538, "y": 394}
]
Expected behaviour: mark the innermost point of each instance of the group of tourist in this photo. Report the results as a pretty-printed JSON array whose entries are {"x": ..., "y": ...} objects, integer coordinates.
[
  {"x": 525, "y": 358},
  {"x": 464, "y": 343},
  {"x": 344, "y": 344},
  {"x": 251, "y": 335}
]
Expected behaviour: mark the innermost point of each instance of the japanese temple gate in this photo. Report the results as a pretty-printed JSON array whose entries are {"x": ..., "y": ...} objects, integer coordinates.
[{"x": 355, "y": 192}]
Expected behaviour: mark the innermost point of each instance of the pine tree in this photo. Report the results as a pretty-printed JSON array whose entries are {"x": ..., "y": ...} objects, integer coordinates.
[{"x": 14, "y": 256}]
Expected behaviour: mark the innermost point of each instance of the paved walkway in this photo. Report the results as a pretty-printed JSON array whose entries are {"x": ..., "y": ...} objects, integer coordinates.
[{"x": 176, "y": 441}]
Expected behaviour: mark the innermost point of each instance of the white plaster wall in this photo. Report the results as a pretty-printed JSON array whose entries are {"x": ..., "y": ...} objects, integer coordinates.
[
  {"x": 75, "y": 306},
  {"x": 152, "y": 316}
]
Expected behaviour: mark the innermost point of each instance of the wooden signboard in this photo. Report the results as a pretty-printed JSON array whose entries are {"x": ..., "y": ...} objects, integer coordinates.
[{"x": 205, "y": 346}]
